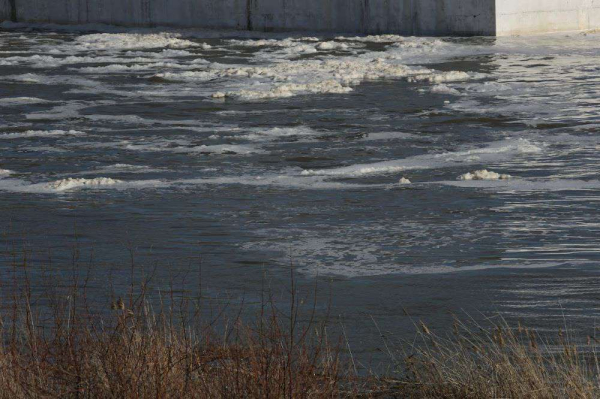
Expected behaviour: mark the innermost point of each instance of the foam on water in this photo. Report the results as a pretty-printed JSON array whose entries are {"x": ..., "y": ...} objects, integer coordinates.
[
  {"x": 484, "y": 174},
  {"x": 62, "y": 112},
  {"x": 387, "y": 136},
  {"x": 24, "y": 78},
  {"x": 71, "y": 183},
  {"x": 17, "y": 101},
  {"x": 287, "y": 181},
  {"x": 130, "y": 41},
  {"x": 528, "y": 185},
  {"x": 492, "y": 152},
  {"x": 225, "y": 149},
  {"x": 327, "y": 46},
  {"x": 441, "y": 77},
  {"x": 338, "y": 157},
  {"x": 330, "y": 75},
  {"x": 444, "y": 89},
  {"x": 120, "y": 68},
  {"x": 122, "y": 168},
  {"x": 281, "y": 74},
  {"x": 41, "y": 134},
  {"x": 278, "y": 133},
  {"x": 361, "y": 267},
  {"x": 278, "y": 49}
]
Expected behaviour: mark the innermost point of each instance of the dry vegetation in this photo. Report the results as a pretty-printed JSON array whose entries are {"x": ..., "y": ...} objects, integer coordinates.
[
  {"x": 499, "y": 362},
  {"x": 152, "y": 359},
  {"x": 56, "y": 346}
]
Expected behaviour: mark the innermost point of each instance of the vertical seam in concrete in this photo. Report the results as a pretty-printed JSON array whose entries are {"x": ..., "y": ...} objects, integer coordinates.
[
  {"x": 364, "y": 16},
  {"x": 494, "y": 28},
  {"x": 413, "y": 17},
  {"x": 13, "y": 10},
  {"x": 495, "y": 18},
  {"x": 249, "y": 14}
]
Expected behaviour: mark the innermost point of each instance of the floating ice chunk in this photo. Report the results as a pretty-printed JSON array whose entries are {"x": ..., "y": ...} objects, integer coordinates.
[
  {"x": 444, "y": 89},
  {"x": 484, "y": 174},
  {"x": 70, "y": 183},
  {"x": 404, "y": 181},
  {"x": 5, "y": 173}
]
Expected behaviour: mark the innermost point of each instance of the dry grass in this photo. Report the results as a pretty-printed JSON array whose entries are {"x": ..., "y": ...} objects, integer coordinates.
[
  {"x": 136, "y": 353},
  {"x": 153, "y": 360},
  {"x": 498, "y": 362},
  {"x": 57, "y": 346}
]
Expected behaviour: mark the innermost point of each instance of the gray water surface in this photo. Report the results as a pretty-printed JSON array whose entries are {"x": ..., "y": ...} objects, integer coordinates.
[{"x": 255, "y": 152}]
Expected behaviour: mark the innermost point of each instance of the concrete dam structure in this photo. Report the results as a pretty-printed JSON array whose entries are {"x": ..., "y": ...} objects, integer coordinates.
[{"x": 407, "y": 17}]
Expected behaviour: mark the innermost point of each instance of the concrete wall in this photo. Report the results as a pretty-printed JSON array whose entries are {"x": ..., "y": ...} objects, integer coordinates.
[
  {"x": 409, "y": 17},
  {"x": 419, "y": 17},
  {"x": 5, "y": 10},
  {"x": 516, "y": 17}
]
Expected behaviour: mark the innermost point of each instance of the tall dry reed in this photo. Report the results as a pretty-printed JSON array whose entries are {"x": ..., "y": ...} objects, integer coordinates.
[
  {"x": 55, "y": 344},
  {"x": 497, "y": 362}
]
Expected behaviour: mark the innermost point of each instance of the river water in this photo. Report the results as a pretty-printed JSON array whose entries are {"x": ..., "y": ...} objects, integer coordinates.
[{"x": 427, "y": 174}]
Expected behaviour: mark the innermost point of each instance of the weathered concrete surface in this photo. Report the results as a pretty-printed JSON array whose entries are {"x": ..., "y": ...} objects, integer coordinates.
[
  {"x": 541, "y": 16},
  {"x": 418, "y": 17},
  {"x": 409, "y": 17},
  {"x": 5, "y": 10}
]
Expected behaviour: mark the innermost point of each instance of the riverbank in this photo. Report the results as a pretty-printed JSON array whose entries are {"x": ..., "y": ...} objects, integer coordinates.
[{"x": 57, "y": 344}]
